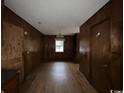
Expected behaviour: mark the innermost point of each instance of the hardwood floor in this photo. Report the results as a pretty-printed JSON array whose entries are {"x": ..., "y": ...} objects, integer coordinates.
[{"x": 57, "y": 77}]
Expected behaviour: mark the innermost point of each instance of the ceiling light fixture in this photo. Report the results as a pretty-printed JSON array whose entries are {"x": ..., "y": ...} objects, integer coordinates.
[{"x": 60, "y": 37}]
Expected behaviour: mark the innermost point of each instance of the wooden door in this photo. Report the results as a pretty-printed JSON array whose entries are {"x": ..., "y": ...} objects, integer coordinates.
[
  {"x": 27, "y": 56},
  {"x": 27, "y": 62},
  {"x": 100, "y": 56}
]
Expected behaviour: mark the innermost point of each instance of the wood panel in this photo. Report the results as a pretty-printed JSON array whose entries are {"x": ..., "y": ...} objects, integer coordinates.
[
  {"x": 117, "y": 44},
  {"x": 97, "y": 53},
  {"x": 77, "y": 55},
  {"x": 84, "y": 51},
  {"x": 2, "y": 12},
  {"x": 11, "y": 51},
  {"x": 15, "y": 44},
  {"x": 49, "y": 49}
]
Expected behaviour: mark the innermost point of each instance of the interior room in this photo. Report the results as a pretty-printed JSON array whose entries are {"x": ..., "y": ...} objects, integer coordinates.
[{"x": 61, "y": 46}]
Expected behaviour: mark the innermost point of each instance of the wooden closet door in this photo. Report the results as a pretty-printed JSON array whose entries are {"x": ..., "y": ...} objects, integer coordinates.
[
  {"x": 100, "y": 56},
  {"x": 27, "y": 57}
]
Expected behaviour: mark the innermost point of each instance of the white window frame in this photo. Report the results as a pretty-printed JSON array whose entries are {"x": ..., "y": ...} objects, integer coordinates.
[{"x": 61, "y": 45}]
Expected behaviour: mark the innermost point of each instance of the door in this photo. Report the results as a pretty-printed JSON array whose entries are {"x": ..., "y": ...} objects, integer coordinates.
[
  {"x": 27, "y": 62},
  {"x": 100, "y": 56},
  {"x": 27, "y": 55}
]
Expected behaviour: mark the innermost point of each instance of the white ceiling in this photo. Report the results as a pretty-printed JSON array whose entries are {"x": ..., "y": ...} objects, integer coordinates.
[{"x": 54, "y": 16}]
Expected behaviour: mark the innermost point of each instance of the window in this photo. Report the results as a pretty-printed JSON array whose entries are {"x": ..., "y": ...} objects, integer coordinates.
[{"x": 59, "y": 45}]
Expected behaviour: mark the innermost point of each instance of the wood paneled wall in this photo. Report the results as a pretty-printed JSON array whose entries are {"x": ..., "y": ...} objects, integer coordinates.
[
  {"x": 109, "y": 18},
  {"x": 26, "y": 52},
  {"x": 49, "y": 49},
  {"x": 33, "y": 48},
  {"x": 77, "y": 54},
  {"x": 19, "y": 50}
]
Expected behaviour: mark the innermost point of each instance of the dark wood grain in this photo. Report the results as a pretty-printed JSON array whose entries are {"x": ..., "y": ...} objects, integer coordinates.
[
  {"x": 93, "y": 55},
  {"x": 49, "y": 49},
  {"x": 15, "y": 44},
  {"x": 100, "y": 56}
]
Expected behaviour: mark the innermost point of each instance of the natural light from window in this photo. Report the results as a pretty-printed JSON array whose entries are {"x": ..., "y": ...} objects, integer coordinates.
[{"x": 59, "y": 45}]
